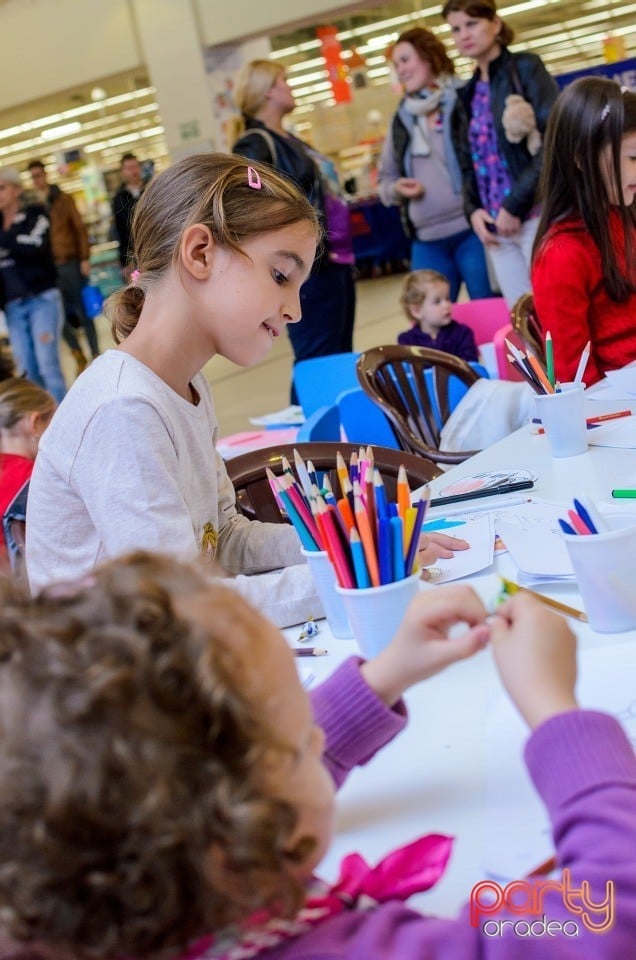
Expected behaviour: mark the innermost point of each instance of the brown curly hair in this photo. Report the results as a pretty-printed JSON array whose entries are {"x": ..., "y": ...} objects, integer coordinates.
[
  {"x": 428, "y": 47},
  {"x": 128, "y": 752}
]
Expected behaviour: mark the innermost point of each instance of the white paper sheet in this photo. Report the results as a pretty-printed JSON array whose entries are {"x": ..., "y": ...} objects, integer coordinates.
[
  {"x": 479, "y": 531},
  {"x": 614, "y": 433},
  {"x": 534, "y": 539}
]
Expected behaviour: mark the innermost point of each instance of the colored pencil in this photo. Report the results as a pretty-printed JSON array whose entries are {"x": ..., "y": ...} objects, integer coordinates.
[
  {"x": 565, "y": 526},
  {"x": 410, "y": 563},
  {"x": 364, "y": 529},
  {"x": 343, "y": 473},
  {"x": 538, "y": 369},
  {"x": 380, "y": 494},
  {"x": 359, "y": 563},
  {"x": 585, "y": 356},
  {"x": 549, "y": 357},
  {"x": 579, "y": 525},
  {"x": 397, "y": 548},
  {"x": 344, "y": 508},
  {"x": 310, "y": 651},
  {"x": 384, "y": 550},
  {"x": 403, "y": 492},
  {"x": 326, "y": 524},
  {"x": 512, "y": 588},
  {"x": 588, "y": 515},
  {"x": 303, "y": 474}
]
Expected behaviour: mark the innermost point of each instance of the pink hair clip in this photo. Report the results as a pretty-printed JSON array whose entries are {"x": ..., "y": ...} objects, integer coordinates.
[
  {"x": 134, "y": 277},
  {"x": 253, "y": 179}
]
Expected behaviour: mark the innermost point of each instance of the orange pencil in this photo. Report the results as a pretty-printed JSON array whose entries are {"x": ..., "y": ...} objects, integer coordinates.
[
  {"x": 344, "y": 508},
  {"x": 364, "y": 529},
  {"x": 403, "y": 493},
  {"x": 538, "y": 369},
  {"x": 343, "y": 473}
]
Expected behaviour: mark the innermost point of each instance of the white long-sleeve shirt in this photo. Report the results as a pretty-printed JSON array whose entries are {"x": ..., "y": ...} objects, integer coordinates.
[{"x": 128, "y": 464}]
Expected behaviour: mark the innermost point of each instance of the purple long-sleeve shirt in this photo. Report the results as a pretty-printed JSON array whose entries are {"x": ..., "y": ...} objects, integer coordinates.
[{"x": 455, "y": 338}]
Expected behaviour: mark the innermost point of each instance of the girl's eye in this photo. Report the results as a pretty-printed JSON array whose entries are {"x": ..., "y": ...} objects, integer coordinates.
[{"x": 279, "y": 277}]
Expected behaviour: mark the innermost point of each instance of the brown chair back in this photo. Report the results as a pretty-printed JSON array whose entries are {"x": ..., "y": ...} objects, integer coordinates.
[
  {"x": 526, "y": 324},
  {"x": 255, "y": 499},
  {"x": 394, "y": 377}
]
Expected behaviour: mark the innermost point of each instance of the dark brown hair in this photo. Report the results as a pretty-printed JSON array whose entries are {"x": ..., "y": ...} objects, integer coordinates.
[
  {"x": 481, "y": 10},
  {"x": 590, "y": 115},
  {"x": 129, "y": 750},
  {"x": 212, "y": 189},
  {"x": 428, "y": 47}
]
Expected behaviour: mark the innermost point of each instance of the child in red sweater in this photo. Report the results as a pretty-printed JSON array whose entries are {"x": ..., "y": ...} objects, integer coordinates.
[
  {"x": 584, "y": 265},
  {"x": 25, "y": 410}
]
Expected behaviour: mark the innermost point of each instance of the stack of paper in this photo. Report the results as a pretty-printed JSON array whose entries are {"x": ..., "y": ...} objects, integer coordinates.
[{"x": 535, "y": 542}]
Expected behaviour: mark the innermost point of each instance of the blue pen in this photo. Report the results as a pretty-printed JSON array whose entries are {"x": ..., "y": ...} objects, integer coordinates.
[
  {"x": 584, "y": 515},
  {"x": 567, "y": 528},
  {"x": 397, "y": 548}
]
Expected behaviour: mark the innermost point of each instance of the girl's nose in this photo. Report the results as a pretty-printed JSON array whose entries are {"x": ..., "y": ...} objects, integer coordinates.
[{"x": 292, "y": 310}]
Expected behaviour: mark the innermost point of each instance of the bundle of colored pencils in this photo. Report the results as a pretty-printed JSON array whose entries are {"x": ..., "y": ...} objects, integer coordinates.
[
  {"x": 369, "y": 541},
  {"x": 541, "y": 380}
]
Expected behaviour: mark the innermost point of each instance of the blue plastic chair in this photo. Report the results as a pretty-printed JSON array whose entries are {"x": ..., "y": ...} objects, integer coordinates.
[
  {"x": 323, "y": 424},
  {"x": 319, "y": 380},
  {"x": 363, "y": 422}
]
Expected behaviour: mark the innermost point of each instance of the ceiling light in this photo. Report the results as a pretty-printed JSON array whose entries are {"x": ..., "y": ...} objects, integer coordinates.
[{"x": 54, "y": 133}]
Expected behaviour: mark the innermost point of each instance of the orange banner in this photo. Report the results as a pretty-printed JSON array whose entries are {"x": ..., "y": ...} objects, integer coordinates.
[{"x": 332, "y": 52}]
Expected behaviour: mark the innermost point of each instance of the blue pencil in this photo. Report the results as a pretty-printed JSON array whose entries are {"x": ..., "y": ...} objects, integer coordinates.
[
  {"x": 384, "y": 550},
  {"x": 567, "y": 528},
  {"x": 411, "y": 553},
  {"x": 397, "y": 548},
  {"x": 359, "y": 563},
  {"x": 585, "y": 516}
]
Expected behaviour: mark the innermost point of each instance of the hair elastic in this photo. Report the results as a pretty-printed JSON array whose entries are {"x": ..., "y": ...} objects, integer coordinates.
[
  {"x": 134, "y": 277},
  {"x": 253, "y": 179}
]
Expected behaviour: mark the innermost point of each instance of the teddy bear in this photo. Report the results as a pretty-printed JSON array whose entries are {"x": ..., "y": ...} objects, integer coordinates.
[{"x": 519, "y": 121}]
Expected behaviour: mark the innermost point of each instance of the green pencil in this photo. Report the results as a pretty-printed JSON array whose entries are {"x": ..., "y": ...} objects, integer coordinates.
[
  {"x": 549, "y": 357},
  {"x": 624, "y": 494}
]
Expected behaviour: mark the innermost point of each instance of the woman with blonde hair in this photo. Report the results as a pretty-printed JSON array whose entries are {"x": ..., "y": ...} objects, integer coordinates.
[{"x": 265, "y": 98}]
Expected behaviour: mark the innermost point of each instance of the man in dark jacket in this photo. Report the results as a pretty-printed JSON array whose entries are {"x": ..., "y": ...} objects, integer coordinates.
[
  {"x": 28, "y": 295},
  {"x": 124, "y": 203},
  {"x": 70, "y": 248}
]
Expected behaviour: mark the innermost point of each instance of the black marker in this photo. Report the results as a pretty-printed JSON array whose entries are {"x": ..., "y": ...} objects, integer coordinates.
[{"x": 482, "y": 492}]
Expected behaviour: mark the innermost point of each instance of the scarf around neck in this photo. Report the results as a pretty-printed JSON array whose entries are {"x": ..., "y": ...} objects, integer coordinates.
[{"x": 420, "y": 106}]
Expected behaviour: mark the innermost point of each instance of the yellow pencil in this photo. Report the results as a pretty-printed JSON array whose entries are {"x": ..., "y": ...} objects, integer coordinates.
[{"x": 512, "y": 588}]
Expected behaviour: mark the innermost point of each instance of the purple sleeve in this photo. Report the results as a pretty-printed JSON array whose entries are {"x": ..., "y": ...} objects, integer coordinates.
[
  {"x": 408, "y": 338},
  {"x": 466, "y": 346},
  {"x": 584, "y": 768},
  {"x": 355, "y": 721}
]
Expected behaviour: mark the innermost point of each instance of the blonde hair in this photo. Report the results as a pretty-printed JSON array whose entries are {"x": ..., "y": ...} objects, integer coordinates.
[
  {"x": 212, "y": 189},
  {"x": 254, "y": 82},
  {"x": 20, "y": 397},
  {"x": 417, "y": 286}
]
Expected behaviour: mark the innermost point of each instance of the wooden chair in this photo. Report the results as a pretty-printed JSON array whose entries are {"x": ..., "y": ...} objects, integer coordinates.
[
  {"x": 526, "y": 324},
  {"x": 255, "y": 499},
  {"x": 417, "y": 389}
]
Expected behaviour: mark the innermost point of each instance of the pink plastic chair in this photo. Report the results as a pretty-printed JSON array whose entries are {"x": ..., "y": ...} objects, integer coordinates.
[
  {"x": 484, "y": 317},
  {"x": 506, "y": 370}
]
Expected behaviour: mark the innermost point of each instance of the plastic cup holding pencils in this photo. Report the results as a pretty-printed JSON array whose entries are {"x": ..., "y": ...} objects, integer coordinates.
[
  {"x": 375, "y": 613},
  {"x": 603, "y": 564},
  {"x": 324, "y": 577},
  {"x": 563, "y": 416}
]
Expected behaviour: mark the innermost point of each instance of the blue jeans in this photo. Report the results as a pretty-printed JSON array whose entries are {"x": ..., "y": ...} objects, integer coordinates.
[
  {"x": 460, "y": 257},
  {"x": 34, "y": 325}
]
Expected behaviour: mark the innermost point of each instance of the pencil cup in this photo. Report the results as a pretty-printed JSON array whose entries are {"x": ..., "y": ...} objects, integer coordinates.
[
  {"x": 603, "y": 564},
  {"x": 375, "y": 613},
  {"x": 325, "y": 581},
  {"x": 563, "y": 416}
]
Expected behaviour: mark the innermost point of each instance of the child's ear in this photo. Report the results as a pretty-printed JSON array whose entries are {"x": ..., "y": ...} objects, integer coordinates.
[{"x": 197, "y": 250}]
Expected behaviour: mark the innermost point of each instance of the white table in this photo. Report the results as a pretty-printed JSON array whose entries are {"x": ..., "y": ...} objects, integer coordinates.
[{"x": 432, "y": 778}]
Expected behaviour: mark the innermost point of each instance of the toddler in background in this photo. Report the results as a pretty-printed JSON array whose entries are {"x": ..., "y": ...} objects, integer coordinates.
[
  {"x": 167, "y": 785},
  {"x": 427, "y": 304}
]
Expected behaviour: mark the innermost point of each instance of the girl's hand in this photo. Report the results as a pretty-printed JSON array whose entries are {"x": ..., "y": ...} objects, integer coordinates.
[
  {"x": 422, "y": 646},
  {"x": 507, "y": 224},
  {"x": 535, "y": 653},
  {"x": 409, "y": 188},
  {"x": 436, "y": 546},
  {"x": 478, "y": 221}
]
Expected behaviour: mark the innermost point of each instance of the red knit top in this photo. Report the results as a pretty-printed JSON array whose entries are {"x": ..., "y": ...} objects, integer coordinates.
[
  {"x": 572, "y": 303},
  {"x": 14, "y": 472}
]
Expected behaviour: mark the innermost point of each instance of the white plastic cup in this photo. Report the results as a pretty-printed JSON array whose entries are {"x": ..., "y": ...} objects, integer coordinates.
[
  {"x": 603, "y": 564},
  {"x": 375, "y": 613},
  {"x": 563, "y": 416},
  {"x": 325, "y": 580}
]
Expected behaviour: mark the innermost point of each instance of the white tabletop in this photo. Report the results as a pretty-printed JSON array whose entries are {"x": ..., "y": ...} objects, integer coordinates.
[{"x": 434, "y": 777}]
